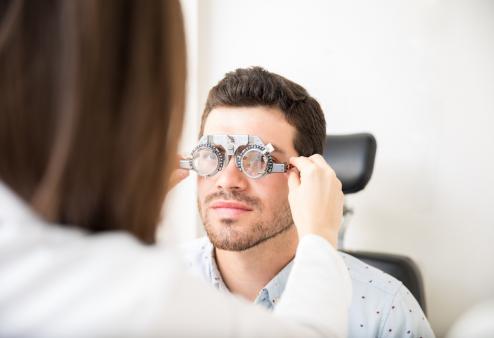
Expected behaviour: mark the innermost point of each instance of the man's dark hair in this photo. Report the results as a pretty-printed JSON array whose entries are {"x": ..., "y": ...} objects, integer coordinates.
[{"x": 250, "y": 87}]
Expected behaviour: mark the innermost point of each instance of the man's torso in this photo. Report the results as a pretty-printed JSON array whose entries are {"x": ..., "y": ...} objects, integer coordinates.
[{"x": 381, "y": 305}]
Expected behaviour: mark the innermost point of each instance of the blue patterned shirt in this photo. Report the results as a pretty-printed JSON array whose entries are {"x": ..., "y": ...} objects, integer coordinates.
[{"x": 381, "y": 306}]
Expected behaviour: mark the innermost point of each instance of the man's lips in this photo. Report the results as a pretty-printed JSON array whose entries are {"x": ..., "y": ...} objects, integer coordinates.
[
  {"x": 230, "y": 205},
  {"x": 229, "y": 209}
]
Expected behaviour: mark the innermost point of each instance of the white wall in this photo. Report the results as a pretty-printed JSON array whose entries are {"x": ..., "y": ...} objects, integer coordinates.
[
  {"x": 419, "y": 75},
  {"x": 181, "y": 222}
]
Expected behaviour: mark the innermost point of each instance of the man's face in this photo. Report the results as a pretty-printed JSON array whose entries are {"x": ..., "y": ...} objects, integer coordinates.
[{"x": 238, "y": 212}]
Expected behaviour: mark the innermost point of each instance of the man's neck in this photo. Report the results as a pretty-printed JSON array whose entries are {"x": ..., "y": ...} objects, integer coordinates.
[{"x": 245, "y": 273}]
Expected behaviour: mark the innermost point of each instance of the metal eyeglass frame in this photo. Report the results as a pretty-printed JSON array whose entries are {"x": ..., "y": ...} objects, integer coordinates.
[{"x": 231, "y": 145}]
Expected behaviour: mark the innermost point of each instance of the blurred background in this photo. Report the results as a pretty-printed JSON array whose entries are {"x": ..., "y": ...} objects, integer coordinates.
[{"x": 419, "y": 75}]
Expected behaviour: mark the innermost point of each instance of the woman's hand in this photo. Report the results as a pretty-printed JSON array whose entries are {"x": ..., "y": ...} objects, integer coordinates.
[
  {"x": 177, "y": 175},
  {"x": 315, "y": 197}
]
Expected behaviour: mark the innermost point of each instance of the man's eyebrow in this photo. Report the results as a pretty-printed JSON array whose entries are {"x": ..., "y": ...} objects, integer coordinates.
[{"x": 277, "y": 149}]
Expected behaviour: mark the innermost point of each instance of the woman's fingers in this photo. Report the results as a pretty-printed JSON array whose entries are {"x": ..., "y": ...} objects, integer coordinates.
[
  {"x": 319, "y": 160},
  {"x": 315, "y": 197},
  {"x": 293, "y": 179},
  {"x": 304, "y": 165},
  {"x": 177, "y": 174}
]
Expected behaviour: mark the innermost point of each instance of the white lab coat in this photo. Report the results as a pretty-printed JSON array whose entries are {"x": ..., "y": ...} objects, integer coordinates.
[{"x": 62, "y": 282}]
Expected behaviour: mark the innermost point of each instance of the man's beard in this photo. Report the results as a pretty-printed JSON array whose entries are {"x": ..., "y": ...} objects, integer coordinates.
[{"x": 226, "y": 237}]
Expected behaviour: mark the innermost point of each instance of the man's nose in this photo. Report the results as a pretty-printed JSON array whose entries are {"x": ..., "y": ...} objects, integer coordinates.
[{"x": 231, "y": 178}]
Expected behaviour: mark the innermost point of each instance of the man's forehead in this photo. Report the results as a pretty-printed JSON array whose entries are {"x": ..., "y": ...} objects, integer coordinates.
[{"x": 268, "y": 123}]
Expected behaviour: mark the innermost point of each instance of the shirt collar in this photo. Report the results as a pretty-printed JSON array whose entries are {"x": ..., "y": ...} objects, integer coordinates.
[
  {"x": 274, "y": 289},
  {"x": 270, "y": 293},
  {"x": 212, "y": 272}
]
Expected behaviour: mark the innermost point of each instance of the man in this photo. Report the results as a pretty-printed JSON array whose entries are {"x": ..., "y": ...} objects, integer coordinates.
[{"x": 251, "y": 237}]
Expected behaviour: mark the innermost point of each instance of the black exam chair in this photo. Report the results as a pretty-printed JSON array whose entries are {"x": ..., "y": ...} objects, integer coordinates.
[{"x": 352, "y": 158}]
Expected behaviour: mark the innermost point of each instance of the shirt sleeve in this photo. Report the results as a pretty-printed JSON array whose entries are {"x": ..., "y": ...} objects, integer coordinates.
[
  {"x": 405, "y": 318},
  {"x": 318, "y": 291}
]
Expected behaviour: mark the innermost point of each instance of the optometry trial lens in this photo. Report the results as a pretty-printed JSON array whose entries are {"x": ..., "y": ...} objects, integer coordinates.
[{"x": 251, "y": 156}]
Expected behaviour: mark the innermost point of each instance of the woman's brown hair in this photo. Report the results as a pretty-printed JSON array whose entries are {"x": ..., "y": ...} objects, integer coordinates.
[{"x": 91, "y": 107}]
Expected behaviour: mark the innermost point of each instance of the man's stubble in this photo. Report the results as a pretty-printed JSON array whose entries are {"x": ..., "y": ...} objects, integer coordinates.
[{"x": 225, "y": 236}]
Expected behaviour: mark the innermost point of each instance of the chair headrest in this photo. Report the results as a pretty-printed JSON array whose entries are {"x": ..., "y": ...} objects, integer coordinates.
[{"x": 352, "y": 158}]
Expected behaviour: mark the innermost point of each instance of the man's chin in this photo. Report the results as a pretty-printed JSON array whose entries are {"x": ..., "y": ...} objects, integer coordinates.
[
  {"x": 234, "y": 238},
  {"x": 230, "y": 244},
  {"x": 228, "y": 235}
]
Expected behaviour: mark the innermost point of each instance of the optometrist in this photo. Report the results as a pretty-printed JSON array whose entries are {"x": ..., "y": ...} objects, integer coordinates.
[{"x": 92, "y": 96}]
